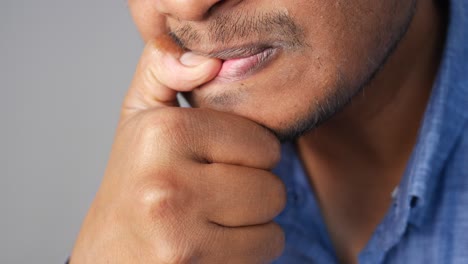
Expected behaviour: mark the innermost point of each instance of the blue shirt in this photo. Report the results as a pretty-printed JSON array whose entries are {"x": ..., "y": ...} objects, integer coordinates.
[{"x": 428, "y": 220}]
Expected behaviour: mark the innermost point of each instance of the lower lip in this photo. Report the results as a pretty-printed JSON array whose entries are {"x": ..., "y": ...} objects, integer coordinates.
[{"x": 238, "y": 69}]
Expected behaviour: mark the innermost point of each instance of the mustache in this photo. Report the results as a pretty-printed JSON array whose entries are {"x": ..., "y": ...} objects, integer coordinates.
[{"x": 238, "y": 26}]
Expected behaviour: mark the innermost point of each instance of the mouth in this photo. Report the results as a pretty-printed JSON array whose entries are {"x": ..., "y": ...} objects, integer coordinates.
[
  {"x": 242, "y": 62},
  {"x": 240, "y": 68}
]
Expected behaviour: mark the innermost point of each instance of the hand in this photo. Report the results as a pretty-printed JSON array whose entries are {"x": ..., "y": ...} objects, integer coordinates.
[{"x": 183, "y": 185}]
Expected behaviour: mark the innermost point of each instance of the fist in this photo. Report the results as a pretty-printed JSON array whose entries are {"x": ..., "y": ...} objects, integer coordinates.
[{"x": 183, "y": 185}]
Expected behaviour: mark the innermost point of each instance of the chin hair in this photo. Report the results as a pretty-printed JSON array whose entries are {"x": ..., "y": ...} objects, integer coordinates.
[{"x": 321, "y": 112}]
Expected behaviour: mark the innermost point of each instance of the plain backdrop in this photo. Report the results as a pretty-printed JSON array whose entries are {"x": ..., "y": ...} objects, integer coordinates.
[{"x": 64, "y": 69}]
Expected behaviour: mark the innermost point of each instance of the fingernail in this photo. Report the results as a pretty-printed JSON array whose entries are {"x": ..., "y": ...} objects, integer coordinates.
[{"x": 191, "y": 59}]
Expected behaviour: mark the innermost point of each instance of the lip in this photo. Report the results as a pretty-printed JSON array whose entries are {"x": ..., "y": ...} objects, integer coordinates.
[
  {"x": 236, "y": 69},
  {"x": 238, "y": 52},
  {"x": 241, "y": 62}
]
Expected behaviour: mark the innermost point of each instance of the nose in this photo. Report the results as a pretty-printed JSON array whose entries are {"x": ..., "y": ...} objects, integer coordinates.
[{"x": 188, "y": 10}]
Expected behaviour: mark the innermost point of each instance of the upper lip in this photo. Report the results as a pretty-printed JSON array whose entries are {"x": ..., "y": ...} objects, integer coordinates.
[{"x": 237, "y": 52}]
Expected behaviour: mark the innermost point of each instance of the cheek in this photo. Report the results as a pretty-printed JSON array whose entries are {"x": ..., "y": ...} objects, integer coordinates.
[
  {"x": 350, "y": 35},
  {"x": 286, "y": 93}
]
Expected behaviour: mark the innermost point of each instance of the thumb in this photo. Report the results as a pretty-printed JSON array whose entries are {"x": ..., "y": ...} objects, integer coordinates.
[{"x": 164, "y": 70}]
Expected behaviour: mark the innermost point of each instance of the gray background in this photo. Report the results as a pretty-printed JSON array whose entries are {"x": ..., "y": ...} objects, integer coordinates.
[{"x": 64, "y": 68}]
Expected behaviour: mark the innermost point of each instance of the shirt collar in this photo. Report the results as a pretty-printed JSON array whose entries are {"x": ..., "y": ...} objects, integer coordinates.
[{"x": 445, "y": 117}]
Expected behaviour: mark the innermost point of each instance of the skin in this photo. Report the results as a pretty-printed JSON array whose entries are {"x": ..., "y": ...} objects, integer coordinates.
[
  {"x": 154, "y": 206},
  {"x": 171, "y": 193}
]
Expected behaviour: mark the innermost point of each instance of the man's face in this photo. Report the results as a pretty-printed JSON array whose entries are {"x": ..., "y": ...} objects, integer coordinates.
[{"x": 309, "y": 57}]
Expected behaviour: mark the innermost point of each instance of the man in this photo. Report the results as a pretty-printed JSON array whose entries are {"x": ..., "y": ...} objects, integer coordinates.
[{"x": 369, "y": 99}]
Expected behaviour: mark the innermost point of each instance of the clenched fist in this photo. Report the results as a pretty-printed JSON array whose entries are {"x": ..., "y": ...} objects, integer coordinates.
[{"x": 183, "y": 185}]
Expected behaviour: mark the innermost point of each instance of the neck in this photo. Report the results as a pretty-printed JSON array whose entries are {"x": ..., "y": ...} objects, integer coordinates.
[{"x": 355, "y": 160}]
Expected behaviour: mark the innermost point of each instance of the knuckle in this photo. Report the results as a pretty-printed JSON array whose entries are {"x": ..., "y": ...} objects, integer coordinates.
[
  {"x": 161, "y": 123},
  {"x": 171, "y": 253},
  {"x": 165, "y": 206},
  {"x": 163, "y": 200},
  {"x": 156, "y": 202},
  {"x": 150, "y": 144}
]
